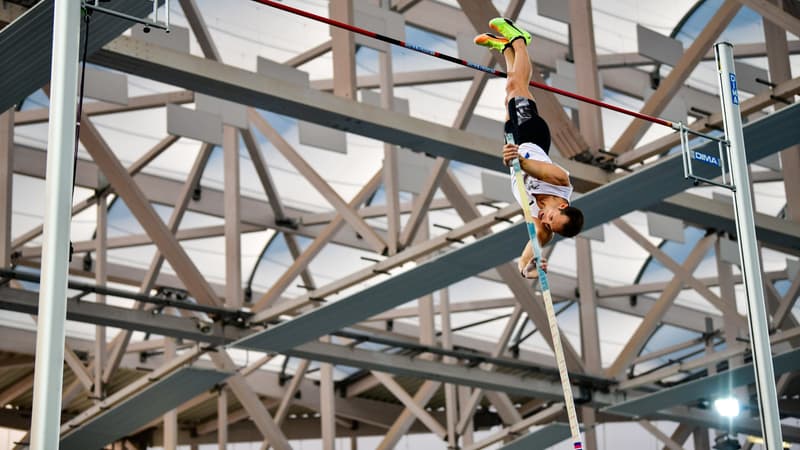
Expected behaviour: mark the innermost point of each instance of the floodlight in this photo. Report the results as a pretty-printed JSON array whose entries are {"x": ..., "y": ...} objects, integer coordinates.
[{"x": 727, "y": 407}]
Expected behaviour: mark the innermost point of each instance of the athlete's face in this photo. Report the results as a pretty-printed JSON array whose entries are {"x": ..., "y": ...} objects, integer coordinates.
[{"x": 552, "y": 218}]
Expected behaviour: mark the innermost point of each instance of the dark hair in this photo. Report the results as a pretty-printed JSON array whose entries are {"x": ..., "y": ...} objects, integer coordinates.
[{"x": 575, "y": 224}]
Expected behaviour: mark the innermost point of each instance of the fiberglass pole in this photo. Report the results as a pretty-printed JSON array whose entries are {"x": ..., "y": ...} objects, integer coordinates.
[
  {"x": 49, "y": 366},
  {"x": 748, "y": 251}
]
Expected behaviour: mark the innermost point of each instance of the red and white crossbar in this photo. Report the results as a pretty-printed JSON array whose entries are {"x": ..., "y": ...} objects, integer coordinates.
[{"x": 463, "y": 62}]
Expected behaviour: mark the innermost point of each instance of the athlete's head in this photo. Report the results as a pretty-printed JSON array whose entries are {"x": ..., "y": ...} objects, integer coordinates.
[{"x": 563, "y": 219}]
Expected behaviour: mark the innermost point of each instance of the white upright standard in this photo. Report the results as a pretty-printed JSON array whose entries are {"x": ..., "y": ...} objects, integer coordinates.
[
  {"x": 748, "y": 251},
  {"x": 45, "y": 423}
]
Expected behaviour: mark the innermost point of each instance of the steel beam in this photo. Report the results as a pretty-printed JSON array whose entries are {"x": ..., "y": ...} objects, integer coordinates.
[
  {"x": 198, "y": 26},
  {"x": 6, "y": 184},
  {"x": 26, "y": 44},
  {"x": 767, "y": 135},
  {"x": 544, "y": 388},
  {"x": 316, "y": 180},
  {"x": 248, "y": 88},
  {"x": 40, "y": 115},
  {"x": 135, "y": 200},
  {"x": 406, "y": 418},
  {"x": 707, "y": 388},
  {"x": 670, "y": 85},
  {"x": 775, "y": 14},
  {"x": 711, "y": 419},
  {"x": 785, "y": 90},
  {"x": 302, "y": 261},
  {"x": 233, "y": 246},
  {"x": 680, "y": 273},
  {"x": 648, "y": 326},
  {"x": 109, "y": 421},
  {"x": 250, "y": 401},
  {"x": 128, "y": 319},
  {"x": 584, "y": 54},
  {"x": 775, "y": 233}
]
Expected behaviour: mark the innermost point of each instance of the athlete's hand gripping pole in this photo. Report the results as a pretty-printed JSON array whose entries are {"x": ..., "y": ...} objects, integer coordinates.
[{"x": 548, "y": 302}]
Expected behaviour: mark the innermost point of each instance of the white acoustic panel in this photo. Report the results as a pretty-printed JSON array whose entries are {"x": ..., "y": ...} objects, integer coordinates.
[
  {"x": 412, "y": 170},
  {"x": 792, "y": 268},
  {"x": 771, "y": 162},
  {"x": 677, "y": 109},
  {"x": 399, "y": 105},
  {"x": 665, "y": 227},
  {"x": 288, "y": 74},
  {"x": 724, "y": 198},
  {"x": 729, "y": 251},
  {"x": 232, "y": 113},
  {"x": 746, "y": 75},
  {"x": 467, "y": 50},
  {"x": 596, "y": 233},
  {"x": 177, "y": 39},
  {"x": 553, "y": 9},
  {"x": 492, "y": 129},
  {"x": 565, "y": 78},
  {"x": 106, "y": 86},
  {"x": 322, "y": 137},
  {"x": 378, "y": 20},
  {"x": 658, "y": 47},
  {"x": 568, "y": 84},
  {"x": 203, "y": 126},
  {"x": 565, "y": 68},
  {"x": 497, "y": 187}
]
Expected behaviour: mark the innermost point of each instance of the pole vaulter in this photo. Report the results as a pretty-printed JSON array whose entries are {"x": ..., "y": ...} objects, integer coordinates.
[{"x": 537, "y": 183}]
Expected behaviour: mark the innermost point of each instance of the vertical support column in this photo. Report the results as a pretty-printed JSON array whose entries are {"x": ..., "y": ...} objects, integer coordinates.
[
  {"x": 590, "y": 336},
  {"x": 450, "y": 399},
  {"x": 748, "y": 249},
  {"x": 6, "y": 184},
  {"x": 47, "y": 385},
  {"x": 390, "y": 181},
  {"x": 427, "y": 329},
  {"x": 701, "y": 441},
  {"x": 467, "y": 436},
  {"x": 171, "y": 417},
  {"x": 222, "y": 419},
  {"x": 327, "y": 414},
  {"x": 233, "y": 248},
  {"x": 344, "y": 48},
  {"x": 728, "y": 294},
  {"x": 587, "y": 83},
  {"x": 101, "y": 259}
]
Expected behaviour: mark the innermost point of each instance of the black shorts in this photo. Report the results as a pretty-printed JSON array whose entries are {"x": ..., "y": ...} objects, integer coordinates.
[{"x": 526, "y": 125}]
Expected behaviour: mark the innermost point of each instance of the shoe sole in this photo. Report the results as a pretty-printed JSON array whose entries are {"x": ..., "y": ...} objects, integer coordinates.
[{"x": 491, "y": 42}]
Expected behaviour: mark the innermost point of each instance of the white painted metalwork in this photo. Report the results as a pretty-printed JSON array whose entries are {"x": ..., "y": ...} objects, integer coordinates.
[
  {"x": 58, "y": 211},
  {"x": 748, "y": 248}
]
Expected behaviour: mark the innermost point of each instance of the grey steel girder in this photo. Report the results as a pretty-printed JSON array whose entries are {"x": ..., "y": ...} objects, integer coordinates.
[{"x": 635, "y": 191}]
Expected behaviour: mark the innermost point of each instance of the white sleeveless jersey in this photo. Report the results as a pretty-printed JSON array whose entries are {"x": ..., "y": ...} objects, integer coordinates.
[{"x": 535, "y": 186}]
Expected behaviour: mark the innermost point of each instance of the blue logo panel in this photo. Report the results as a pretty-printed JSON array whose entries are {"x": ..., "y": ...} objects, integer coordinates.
[
  {"x": 734, "y": 90},
  {"x": 708, "y": 159}
]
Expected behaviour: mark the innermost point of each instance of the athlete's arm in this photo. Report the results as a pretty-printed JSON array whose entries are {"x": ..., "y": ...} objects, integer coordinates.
[
  {"x": 526, "y": 267},
  {"x": 547, "y": 172}
]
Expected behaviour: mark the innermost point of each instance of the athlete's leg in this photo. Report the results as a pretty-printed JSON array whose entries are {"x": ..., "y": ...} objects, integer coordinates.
[{"x": 519, "y": 75}]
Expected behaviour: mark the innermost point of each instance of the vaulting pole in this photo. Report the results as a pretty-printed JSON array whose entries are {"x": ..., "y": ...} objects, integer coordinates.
[
  {"x": 561, "y": 362},
  {"x": 748, "y": 250},
  {"x": 45, "y": 423}
]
